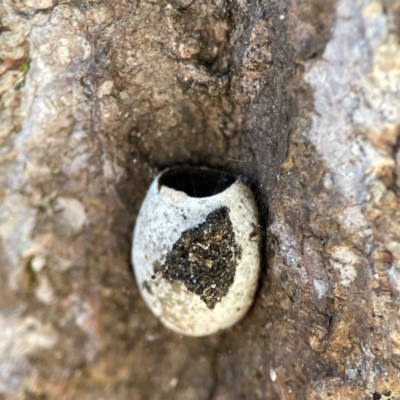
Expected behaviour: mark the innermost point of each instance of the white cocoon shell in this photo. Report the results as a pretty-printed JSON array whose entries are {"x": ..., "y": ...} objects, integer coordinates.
[{"x": 164, "y": 215}]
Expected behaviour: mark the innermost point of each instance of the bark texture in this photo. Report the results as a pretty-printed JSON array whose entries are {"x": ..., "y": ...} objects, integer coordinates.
[{"x": 302, "y": 96}]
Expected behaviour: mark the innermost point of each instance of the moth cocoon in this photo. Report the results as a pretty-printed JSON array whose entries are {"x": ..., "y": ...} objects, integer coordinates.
[{"x": 196, "y": 251}]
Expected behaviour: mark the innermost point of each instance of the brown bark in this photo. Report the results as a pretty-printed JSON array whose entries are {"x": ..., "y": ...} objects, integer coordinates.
[{"x": 301, "y": 96}]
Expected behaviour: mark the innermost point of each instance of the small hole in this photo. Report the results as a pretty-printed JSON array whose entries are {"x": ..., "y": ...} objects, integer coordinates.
[{"x": 197, "y": 182}]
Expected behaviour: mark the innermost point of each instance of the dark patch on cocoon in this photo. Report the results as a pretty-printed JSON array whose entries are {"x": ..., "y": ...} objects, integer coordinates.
[{"x": 205, "y": 258}]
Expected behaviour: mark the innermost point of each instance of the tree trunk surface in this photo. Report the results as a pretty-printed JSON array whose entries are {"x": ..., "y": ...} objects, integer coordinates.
[{"x": 303, "y": 97}]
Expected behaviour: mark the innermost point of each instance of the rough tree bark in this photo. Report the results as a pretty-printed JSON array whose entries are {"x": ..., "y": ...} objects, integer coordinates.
[{"x": 96, "y": 96}]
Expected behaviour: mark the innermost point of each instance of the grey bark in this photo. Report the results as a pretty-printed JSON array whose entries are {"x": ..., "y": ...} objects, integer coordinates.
[{"x": 301, "y": 96}]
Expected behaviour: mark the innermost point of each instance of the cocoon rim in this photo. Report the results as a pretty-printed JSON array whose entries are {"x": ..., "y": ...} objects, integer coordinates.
[{"x": 197, "y": 259}]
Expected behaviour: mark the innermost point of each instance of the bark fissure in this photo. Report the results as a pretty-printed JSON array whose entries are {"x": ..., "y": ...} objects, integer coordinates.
[{"x": 299, "y": 96}]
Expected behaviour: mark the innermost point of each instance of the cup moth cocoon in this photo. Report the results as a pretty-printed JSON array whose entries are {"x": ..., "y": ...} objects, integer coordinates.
[{"x": 196, "y": 251}]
